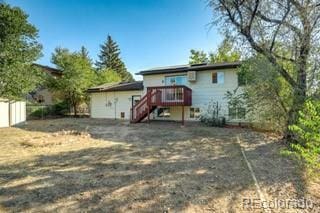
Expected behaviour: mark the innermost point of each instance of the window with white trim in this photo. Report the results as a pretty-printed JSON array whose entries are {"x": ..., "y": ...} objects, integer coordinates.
[
  {"x": 163, "y": 112},
  {"x": 218, "y": 77},
  {"x": 194, "y": 112},
  {"x": 176, "y": 80}
]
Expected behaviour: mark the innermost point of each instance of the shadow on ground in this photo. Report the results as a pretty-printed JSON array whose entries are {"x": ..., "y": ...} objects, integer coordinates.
[{"x": 156, "y": 168}]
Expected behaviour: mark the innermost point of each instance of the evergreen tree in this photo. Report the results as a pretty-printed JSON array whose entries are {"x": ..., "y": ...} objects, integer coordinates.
[
  {"x": 107, "y": 76},
  {"x": 84, "y": 52},
  {"x": 109, "y": 59}
]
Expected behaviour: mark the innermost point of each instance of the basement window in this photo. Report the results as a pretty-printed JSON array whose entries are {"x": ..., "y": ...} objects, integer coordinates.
[
  {"x": 163, "y": 112},
  {"x": 194, "y": 112}
]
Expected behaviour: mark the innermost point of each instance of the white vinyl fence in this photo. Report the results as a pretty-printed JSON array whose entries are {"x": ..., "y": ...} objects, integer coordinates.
[{"x": 12, "y": 112}]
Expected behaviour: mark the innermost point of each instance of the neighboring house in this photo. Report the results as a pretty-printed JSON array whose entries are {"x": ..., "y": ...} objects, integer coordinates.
[
  {"x": 169, "y": 93},
  {"x": 42, "y": 94}
]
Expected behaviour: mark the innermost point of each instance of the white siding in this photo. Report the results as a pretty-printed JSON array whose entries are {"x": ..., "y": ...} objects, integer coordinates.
[
  {"x": 203, "y": 90},
  {"x": 17, "y": 113},
  {"x": 153, "y": 80},
  {"x": 104, "y": 104},
  {"x": 175, "y": 114}
]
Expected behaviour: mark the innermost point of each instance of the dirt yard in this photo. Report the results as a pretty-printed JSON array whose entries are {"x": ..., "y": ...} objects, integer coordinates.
[{"x": 111, "y": 166}]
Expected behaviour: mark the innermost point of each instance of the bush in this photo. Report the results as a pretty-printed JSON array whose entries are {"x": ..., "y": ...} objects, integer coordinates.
[
  {"x": 307, "y": 135},
  {"x": 211, "y": 116},
  {"x": 42, "y": 111},
  {"x": 38, "y": 111},
  {"x": 60, "y": 108}
]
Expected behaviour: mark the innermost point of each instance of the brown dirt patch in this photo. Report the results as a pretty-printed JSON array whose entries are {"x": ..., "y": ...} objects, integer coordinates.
[{"x": 113, "y": 166}]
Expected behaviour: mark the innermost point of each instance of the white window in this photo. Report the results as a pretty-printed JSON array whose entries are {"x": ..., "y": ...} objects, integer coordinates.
[
  {"x": 163, "y": 112},
  {"x": 194, "y": 112},
  {"x": 176, "y": 80},
  {"x": 218, "y": 77}
]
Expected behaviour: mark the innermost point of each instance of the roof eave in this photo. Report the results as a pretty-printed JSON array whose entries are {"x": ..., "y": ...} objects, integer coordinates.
[
  {"x": 112, "y": 90},
  {"x": 191, "y": 68},
  {"x": 135, "y": 86}
]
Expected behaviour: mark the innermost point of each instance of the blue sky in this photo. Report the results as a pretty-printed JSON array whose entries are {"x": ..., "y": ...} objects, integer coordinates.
[{"x": 150, "y": 33}]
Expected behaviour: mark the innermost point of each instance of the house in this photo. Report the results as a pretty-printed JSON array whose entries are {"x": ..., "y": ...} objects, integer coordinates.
[
  {"x": 42, "y": 94},
  {"x": 114, "y": 100},
  {"x": 169, "y": 93}
]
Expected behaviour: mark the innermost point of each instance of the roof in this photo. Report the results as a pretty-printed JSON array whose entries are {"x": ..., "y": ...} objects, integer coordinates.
[
  {"x": 122, "y": 86},
  {"x": 49, "y": 70},
  {"x": 187, "y": 67}
]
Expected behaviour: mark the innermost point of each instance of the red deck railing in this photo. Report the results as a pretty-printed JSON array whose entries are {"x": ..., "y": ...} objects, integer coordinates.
[
  {"x": 161, "y": 96},
  {"x": 170, "y": 96}
]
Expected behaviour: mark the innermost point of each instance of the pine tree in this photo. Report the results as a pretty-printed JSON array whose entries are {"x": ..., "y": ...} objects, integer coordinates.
[
  {"x": 84, "y": 52},
  {"x": 109, "y": 59}
]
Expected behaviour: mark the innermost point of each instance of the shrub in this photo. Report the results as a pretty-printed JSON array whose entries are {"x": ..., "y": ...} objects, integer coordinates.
[
  {"x": 211, "y": 116},
  {"x": 60, "y": 108},
  {"x": 307, "y": 135},
  {"x": 42, "y": 111},
  {"x": 38, "y": 111}
]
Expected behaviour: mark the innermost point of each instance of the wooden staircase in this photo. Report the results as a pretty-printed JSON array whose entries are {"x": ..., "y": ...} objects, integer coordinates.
[
  {"x": 164, "y": 96},
  {"x": 143, "y": 108}
]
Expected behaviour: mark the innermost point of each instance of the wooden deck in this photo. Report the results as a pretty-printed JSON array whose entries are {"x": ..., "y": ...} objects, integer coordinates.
[{"x": 161, "y": 96}]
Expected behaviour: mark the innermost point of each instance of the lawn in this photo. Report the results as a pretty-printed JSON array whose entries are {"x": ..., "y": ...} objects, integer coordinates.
[{"x": 113, "y": 166}]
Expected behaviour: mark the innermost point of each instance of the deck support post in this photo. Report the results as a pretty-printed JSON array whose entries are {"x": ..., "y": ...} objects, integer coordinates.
[
  {"x": 182, "y": 115},
  {"x": 148, "y": 104}
]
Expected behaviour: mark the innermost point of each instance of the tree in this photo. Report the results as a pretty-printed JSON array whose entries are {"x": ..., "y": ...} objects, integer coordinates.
[
  {"x": 107, "y": 76},
  {"x": 307, "y": 146},
  {"x": 264, "y": 24},
  {"x": 266, "y": 95},
  {"x": 78, "y": 75},
  {"x": 225, "y": 53},
  {"x": 85, "y": 53},
  {"x": 18, "y": 50},
  {"x": 109, "y": 59},
  {"x": 197, "y": 57}
]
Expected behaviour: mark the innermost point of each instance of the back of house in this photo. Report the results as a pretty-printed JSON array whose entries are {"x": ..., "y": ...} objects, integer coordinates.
[{"x": 170, "y": 93}]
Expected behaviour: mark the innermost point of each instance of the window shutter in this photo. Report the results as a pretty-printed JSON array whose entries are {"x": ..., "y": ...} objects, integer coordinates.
[{"x": 214, "y": 78}]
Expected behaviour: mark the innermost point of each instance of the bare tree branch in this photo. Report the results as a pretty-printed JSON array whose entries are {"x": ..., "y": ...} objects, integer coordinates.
[
  {"x": 277, "y": 21},
  {"x": 246, "y": 31},
  {"x": 279, "y": 26}
]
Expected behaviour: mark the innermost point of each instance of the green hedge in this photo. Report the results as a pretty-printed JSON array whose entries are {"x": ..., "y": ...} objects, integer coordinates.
[{"x": 307, "y": 136}]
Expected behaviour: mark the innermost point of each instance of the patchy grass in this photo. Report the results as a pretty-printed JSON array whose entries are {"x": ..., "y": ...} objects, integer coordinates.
[{"x": 112, "y": 166}]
